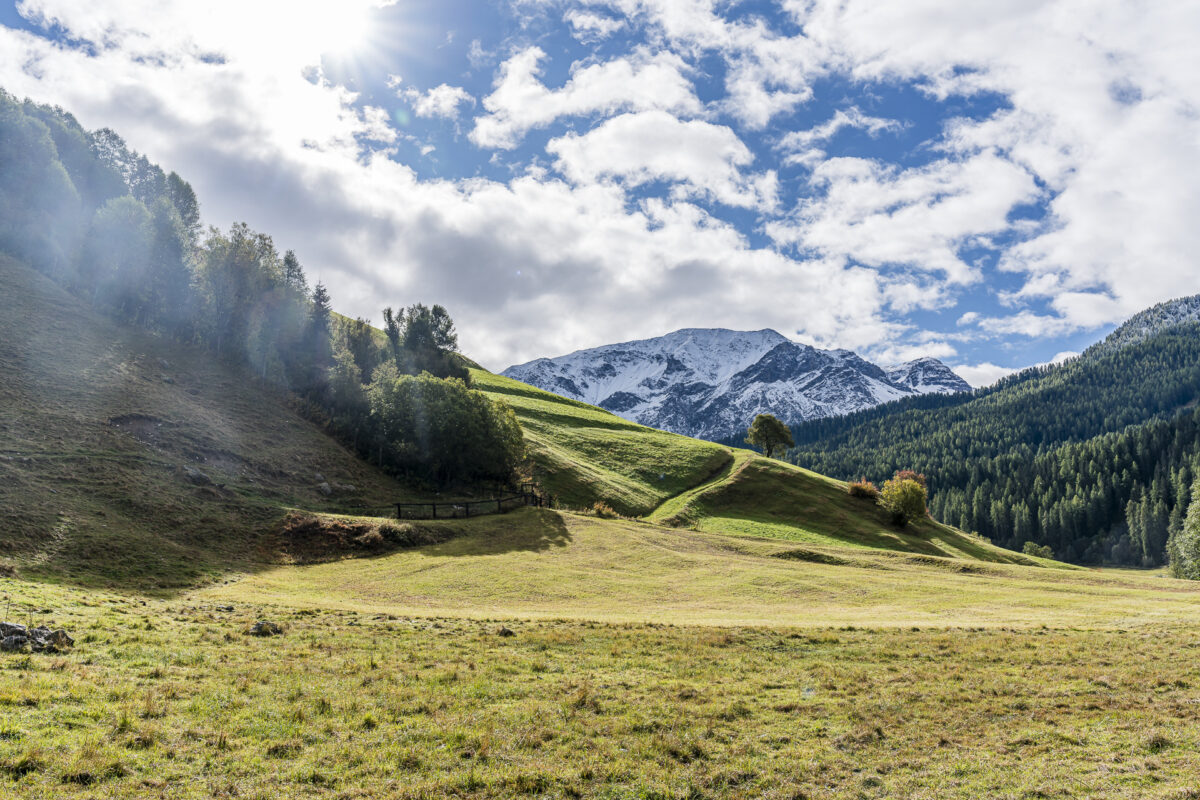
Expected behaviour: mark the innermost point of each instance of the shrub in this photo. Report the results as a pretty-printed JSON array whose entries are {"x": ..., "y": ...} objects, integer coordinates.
[
  {"x": 911, "y": 475},
  {"x": 604, "y": 510},
  {"x": 1039, "y": 550},
  {"x": 903, "y": 497},
  {"x": 863, "y": 488}
]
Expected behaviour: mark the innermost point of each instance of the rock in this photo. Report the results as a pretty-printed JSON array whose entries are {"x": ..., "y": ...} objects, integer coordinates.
[
  {"x": 13, "y": 644},
  {"x": 40, "y": 639},
  {"x": 11, "y": 629},
  {"x": 168, "y": 379},
  {"x": 162, "y": 362},
  {"x": 265, "y": 628},
  {"x": 505, "y": 632},
  {"x": 225, "y": 608},
  {"x": 325, "y": 488},
  {"x": 196, "y": 476},
  {"x": 345, "y": 487},
  {"x": 319, "y": 478}
]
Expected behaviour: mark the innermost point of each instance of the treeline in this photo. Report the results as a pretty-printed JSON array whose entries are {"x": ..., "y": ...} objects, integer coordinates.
[
  {"x": 124, "y": 235},
  {"x": 1094, "y": 458}
]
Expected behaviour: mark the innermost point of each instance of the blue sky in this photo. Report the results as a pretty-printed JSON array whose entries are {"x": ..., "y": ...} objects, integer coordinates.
[{"x": 992, "y": 184}]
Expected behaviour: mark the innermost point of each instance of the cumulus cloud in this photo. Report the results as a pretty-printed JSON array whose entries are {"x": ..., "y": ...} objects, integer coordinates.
[
  {"x": 520, "y": 101},
  {"x": 874, "y": 213},
  {"x": 442, "y": 101},
  {"x": 698, "y": 157},
  {"x": 589, "y": 26},
  {"x": 1107, "y": 120}
]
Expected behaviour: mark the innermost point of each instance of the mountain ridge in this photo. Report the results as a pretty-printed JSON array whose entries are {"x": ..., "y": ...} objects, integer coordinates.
[{"x": 711, "y": 382}]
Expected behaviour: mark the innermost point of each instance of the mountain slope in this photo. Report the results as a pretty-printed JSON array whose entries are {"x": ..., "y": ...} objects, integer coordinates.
[
  {"x": 1148, "y": 323},
  {"x": 1059, "y": 455},
  {"x": 130, "y": 458},
  {"x": 710, "y": 383}
]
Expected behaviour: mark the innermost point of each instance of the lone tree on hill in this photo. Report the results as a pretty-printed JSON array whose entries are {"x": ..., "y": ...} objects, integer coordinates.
[
  {"x": 769, "y": 433},
  {"x": 904, "y": 497}
]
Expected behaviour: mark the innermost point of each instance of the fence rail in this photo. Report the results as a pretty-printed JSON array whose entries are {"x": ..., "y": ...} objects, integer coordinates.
[{"x": 470, "y": 508}]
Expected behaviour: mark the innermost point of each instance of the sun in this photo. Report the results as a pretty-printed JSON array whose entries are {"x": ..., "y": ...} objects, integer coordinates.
[{"x": 336, "y": 28}]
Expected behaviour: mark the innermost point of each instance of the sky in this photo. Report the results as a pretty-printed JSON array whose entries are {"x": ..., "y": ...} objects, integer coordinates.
[{"x": 993, "y": 184}]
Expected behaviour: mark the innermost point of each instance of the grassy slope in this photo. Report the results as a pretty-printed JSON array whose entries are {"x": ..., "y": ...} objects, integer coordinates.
[
  {"x": 84, "y": 499},
  {"x": 585, "y": 454}
]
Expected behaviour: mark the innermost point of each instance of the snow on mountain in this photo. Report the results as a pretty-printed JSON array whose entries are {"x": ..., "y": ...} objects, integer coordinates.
[
  {"x": 927, "y": 376},
  {"x": 1144, "y": 324},
  {"x": 711, "y": 383}
]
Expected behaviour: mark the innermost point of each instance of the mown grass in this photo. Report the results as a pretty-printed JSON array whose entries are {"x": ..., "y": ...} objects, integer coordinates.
[
  {"x": 585, "y": 454},
  {"x": 99, "y": 423},
  {"x": 540, "y": 564},
  {"x": 171, "y": 699}
]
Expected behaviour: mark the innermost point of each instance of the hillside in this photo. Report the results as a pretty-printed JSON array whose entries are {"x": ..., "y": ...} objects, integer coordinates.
[
  {"x": 584, "y": 455},
  {"x": 101, "y": 424},
  {"x": 711, "y": 383},
  {"x": 1094, "y": 457}
]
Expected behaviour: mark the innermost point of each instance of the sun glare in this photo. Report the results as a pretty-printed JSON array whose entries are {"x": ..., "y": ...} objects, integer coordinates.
[{"x": 331, "y": 28}]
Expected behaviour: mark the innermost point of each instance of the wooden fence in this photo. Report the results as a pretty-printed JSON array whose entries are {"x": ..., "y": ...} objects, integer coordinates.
[{"x": 458, "y": 509}]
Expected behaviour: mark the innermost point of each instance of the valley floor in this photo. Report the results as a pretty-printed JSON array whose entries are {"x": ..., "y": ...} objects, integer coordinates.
[{"x": 528, "y": 662}]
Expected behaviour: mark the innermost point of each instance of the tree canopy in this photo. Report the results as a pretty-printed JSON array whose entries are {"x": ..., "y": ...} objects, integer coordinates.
[
  {"x": 768, "y": 433},
  {"x": 108, "y": 224}
]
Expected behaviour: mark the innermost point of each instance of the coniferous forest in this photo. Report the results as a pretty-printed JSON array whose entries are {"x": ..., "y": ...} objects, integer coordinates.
[
  {"x": 1094, "y": 458},
  {"x": 125, "y": 236}
]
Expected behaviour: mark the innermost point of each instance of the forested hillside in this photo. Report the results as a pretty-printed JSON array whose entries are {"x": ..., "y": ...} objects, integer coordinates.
[
  {"x": 124, "y": 236},
  {"x": 1094, "y": 458}
]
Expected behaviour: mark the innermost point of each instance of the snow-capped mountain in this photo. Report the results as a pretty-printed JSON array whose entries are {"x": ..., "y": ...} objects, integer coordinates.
[
  {"x": 711, "y": 383},
  {"x": 926, "y": 376},
  {"x": 1144, "y": 324}
]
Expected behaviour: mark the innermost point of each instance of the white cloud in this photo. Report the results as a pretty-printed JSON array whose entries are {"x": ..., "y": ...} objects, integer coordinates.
[
  {"x": 1103, "y": 110},
  {"x": 767, "y": 74},
  {"x": 699, "y": 157},
  {"x": 981, "y": 375},
  {"x": 520, "y": 101},
  {"x": 589, "y": 26},
  {"x": 985, "y": 374},
  {"x": 516, "y": 262},
  {"x": 799, "y": 145},
  {"x": 1099, "y": 120},
  {"x": 441, "y": 101},
  {"x": 877, "y": 214}
]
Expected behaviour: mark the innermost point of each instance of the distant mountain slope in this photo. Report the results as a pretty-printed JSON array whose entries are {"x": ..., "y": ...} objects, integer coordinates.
[
  {"x": 1144, "y": 324},
  {"x": 711, "y": 383},
  {"x": 131, "y": 459},
  {"x": 1093, "y": 457}
]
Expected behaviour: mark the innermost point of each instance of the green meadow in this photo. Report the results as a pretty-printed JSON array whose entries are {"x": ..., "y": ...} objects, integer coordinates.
[{"x": 688, "y": 621}]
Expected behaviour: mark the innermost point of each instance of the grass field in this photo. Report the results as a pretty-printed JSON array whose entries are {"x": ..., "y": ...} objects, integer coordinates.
[
  {"x": 539, "y": 564},
  {"x": 169, "y": 698}
]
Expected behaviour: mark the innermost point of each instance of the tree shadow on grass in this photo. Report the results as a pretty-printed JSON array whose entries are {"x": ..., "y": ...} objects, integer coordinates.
[{"x": 526, "y": 530}]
